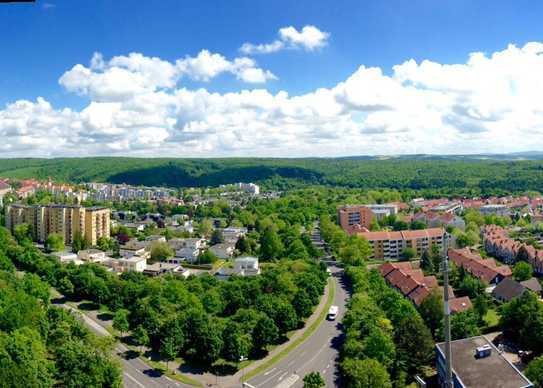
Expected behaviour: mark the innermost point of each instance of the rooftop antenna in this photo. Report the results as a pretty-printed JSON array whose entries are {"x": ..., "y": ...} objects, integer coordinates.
[{"x": 447, "y": 317}]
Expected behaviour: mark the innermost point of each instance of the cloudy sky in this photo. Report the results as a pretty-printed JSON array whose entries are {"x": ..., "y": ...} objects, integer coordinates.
[{"x": 270, "y": 78}]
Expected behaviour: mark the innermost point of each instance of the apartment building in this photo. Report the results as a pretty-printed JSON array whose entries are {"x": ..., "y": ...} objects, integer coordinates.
[
  {"x": 390, "y": 245},
  {"x": 65, "y": 220},
  {"x": 354, "y": 217}
]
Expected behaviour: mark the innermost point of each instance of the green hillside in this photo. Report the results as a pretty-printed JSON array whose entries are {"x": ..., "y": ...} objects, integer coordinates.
[{"x": 469, "y": 176}]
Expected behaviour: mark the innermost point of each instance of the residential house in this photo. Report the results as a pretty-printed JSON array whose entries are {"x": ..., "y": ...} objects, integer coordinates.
[{"x": 222, "y": 251}]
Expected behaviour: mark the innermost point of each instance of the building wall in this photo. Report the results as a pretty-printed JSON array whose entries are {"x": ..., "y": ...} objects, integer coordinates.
[
  {"x": 66, "y": 221},
  {"x": 354, "y": 215}
]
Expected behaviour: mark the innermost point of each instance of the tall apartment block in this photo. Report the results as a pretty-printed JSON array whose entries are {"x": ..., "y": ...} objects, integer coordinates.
[
  {"x": 65, "y": 220},
  {"x": 355, "y": 217}
]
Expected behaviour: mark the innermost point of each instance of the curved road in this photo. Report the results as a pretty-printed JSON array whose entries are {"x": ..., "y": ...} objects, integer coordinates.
[{"x": 318, "y": 353}]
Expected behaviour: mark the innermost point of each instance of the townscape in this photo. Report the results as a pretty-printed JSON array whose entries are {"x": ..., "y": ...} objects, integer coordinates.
[
  {"x": 271, "y": 194},
  {"x": 175, "y": 276}
]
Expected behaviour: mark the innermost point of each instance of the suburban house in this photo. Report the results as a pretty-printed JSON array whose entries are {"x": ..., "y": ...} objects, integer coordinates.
[
  {"x": 187, "y": 248},
  {"x": 222, "y": 251},
  {"x": 233, "y": 234},
  {"x": 509, "y": 289},
  {"x": 92, "y": 256},
  {"x": 134, "y": 263},
  {"x": 478, "y": 363},
  {"x": 484, "y": 269},
  {"x": 243, "y": 266}
]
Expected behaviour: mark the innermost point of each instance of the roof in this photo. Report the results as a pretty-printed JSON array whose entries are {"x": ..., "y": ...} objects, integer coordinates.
[
  {"x": 487, "y": 372},
  {"x": 508, "y": 289},
  {"x": 403, "y": 235},
  {"x": 458, "y": 305},
  {"x": 532, "y": 284}
]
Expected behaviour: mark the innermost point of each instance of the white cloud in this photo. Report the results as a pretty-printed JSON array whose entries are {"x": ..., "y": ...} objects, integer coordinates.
[
  {"x": 490, "y": 103},
  {"x": 310, "y": 38},
  {"x": 124, "y": 77}
]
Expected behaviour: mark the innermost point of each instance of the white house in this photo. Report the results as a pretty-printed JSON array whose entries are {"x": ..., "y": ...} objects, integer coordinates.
[
  {"x": 92, "y": 255},
  {"x": 246, "y": 266},
  {"x": 134, "y": 263},
  {"x": 222, "y": 251}
]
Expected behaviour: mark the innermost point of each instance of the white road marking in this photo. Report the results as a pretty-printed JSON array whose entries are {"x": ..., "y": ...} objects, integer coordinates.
[
  {"x": 283, "y": 375},
  {"x": 270, "y": 371},
  {"x": 289, "y": 382},
  {"x": 134, "y": 380}
]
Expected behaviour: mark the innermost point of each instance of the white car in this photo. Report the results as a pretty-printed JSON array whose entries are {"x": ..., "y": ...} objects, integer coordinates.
[{"x": 332, "y": 313}]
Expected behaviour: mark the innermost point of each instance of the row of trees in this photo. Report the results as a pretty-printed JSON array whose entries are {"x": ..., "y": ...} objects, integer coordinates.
[{"x": 387, "y": 341}]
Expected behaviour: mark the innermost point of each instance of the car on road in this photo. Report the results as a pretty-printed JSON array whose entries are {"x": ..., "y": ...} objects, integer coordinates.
[{"x": 332, "y": 313}]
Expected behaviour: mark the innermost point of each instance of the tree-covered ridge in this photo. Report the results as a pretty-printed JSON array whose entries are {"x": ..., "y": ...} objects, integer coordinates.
[{"x": 448, "y": 176}]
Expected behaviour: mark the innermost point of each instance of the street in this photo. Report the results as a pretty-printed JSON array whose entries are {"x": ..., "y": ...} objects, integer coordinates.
[
  {"x": 136, "y": 373},
  {"x": 318, "y": 353}
]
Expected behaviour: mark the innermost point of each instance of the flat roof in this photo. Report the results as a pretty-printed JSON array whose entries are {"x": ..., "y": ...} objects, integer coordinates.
[{"x": 493, "y": 371}]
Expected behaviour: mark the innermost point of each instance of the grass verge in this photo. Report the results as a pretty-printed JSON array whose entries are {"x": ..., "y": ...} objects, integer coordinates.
[
  {"x": 178, "y": 376},
  {"x": 310, "y": 330}
]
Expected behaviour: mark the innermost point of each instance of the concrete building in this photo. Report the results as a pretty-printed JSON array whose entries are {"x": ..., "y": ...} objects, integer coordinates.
[
  {"x": 476, "y": 362},
  {"x": 92, "y": 256},
  {"x": 383, "y": 210},
  {"x": 355, "y": 217},
  {"x": 390, "y": 245},
  {"x": 65, "y": 220}
]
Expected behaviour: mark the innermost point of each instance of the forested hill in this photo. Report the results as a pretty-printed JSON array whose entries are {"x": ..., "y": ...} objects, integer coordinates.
[{"x": 462, "y": 175}]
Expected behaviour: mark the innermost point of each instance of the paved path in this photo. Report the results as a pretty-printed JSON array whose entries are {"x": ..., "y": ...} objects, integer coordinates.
[
  {"x": 136, "y": 373},
  {"x": 318, "y": 353}
]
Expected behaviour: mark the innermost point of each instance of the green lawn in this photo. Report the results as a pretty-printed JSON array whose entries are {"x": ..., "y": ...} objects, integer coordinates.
[{"x": 491, "y": 318}]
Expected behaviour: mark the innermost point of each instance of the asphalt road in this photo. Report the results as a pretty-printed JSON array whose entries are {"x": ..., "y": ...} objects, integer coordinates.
[
  {"x": 136, "y": 373},
  {"x": 319, "y": 353}
]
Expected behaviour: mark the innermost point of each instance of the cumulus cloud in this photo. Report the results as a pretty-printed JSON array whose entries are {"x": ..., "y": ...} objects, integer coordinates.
[
  {"x": 309, "y": 38},
  {"x": 124, "y": 77},
  {"x": 139, "y": 106}
]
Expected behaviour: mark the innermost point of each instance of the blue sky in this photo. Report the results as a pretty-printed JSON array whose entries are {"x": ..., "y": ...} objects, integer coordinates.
[
  {"x": 47, "y": 38},
  {"x": 41, "y": 42}
]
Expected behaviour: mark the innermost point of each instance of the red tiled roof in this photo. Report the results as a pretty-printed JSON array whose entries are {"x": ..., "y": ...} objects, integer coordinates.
[{"x": 457, "y": 305}]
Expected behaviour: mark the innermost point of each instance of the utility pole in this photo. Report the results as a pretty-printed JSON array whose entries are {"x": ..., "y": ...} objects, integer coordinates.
[{"x": 447, "y": 322}]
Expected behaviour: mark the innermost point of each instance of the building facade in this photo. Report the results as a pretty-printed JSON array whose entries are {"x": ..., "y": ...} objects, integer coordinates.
[
  {"x": 65, "y": 220},
  {"x": 352, "y": 218},
  {"x": 390, "y": 245}
]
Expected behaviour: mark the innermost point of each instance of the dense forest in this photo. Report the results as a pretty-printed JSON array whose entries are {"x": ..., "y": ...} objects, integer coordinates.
[{"x": 464, "y": 176}]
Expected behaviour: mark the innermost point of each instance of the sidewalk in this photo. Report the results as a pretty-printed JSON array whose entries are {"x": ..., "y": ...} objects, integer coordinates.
[{"x": 209, "y": 379}]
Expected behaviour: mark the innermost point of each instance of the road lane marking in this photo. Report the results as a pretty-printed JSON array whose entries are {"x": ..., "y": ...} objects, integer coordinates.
[
  {"x": 283, "y": 375},
  {"x": 270, "y": 371},
  {"x": 289, "y": 382},
  {"x": 134, "y": 380}
]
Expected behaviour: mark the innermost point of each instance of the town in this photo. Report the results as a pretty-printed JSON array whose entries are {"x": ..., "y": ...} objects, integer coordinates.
[{"x": 494, "y": 246}]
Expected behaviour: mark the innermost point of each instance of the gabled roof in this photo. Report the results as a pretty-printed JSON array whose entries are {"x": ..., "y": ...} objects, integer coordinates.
[
  {"x": 532, "y": 285},
  {"x": 508, "y": 289},
  {"x": 458, "y": 305}
]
